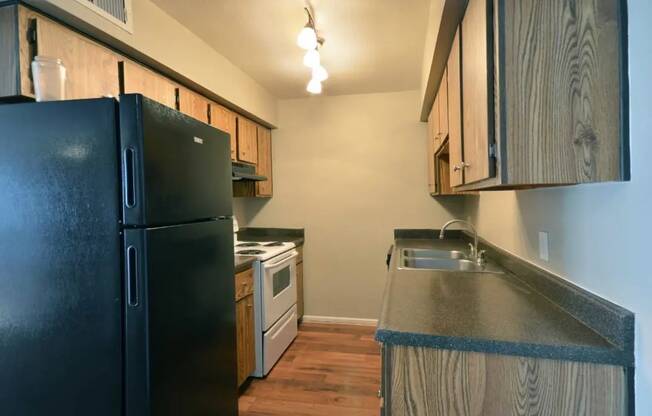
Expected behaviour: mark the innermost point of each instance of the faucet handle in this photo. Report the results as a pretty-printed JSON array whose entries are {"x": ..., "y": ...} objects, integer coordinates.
[
  {"x": 471, "y": 251},
  {"x": 481, "y": 257}
]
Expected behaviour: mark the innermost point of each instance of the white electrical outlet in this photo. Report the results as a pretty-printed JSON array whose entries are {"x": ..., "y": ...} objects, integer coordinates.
[{"x": 543, "y": 246}]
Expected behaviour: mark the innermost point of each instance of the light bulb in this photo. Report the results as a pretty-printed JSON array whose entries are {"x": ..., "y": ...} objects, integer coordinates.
[
  {"x": 307, "y": 38},
  {"x": 319, "y": 73},
  {"x": 311, "y": 58},
  {"x": 314, "y": 87}
]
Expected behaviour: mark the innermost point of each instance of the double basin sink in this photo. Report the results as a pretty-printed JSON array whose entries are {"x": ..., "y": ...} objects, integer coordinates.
[{"x": 434, "y": 259}]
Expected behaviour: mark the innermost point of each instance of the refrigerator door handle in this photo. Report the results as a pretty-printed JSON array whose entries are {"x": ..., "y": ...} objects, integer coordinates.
[
  {"x": 129, "y": 160},
  {"x": 132, "y": 276}
]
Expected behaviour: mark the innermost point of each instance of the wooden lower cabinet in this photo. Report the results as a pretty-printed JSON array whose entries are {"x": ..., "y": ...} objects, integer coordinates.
[
  {"x": 419, "y": 381},
  {"x": 244, "y": 321}
]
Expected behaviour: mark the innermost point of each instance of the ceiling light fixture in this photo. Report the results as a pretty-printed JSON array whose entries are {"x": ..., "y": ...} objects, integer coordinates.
[
  {"x": 319, "y": 73},
  {"x": 309, "y": 40},
  {"x": 314, "y": 87},
  {"x": 311, "y": 58}
]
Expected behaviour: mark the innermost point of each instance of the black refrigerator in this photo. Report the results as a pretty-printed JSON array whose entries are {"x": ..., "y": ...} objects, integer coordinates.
[{"x": 116, "y": 261}]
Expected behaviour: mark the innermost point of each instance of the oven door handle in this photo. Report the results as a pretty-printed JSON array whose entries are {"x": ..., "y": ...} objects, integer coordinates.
[{"x": 292, "y": 255}]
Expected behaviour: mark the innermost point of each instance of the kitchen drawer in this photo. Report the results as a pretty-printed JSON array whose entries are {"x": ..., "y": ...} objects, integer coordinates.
[{"x": 244, "y": 284}]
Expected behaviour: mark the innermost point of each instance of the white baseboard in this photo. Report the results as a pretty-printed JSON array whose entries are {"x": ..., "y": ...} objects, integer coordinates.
[{"x": 314, "y": 319}]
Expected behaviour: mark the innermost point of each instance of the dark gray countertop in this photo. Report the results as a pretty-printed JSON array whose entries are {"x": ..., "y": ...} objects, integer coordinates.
[
  {"x": 293, "y": 235},
  {"x": 484, "y": 312}
]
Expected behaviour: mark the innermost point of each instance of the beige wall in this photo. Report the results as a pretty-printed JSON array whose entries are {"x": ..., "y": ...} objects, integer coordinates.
[
  {"x": 599, "y": 234},
  {"x": 348, "y": 169},
  {"x": 160, "y": 37}
]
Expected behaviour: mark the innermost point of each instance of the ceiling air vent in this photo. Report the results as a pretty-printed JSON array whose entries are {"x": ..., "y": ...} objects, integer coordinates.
[{"x": 117, "y": 12}]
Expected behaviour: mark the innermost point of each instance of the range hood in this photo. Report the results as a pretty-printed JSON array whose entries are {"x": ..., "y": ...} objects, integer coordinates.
[{"x": 245, "y": 172}]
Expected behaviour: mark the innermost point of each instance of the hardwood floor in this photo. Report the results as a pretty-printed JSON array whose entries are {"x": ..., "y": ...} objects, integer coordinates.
[{"x": 329, "y": 370}]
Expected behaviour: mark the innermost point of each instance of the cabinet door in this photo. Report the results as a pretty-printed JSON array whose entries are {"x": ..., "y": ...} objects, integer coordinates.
[
  {"x": 455, "y": 113},
  {"x": 443, "y": 107},
  {"x": 225, "y": 120},
  {"x": 264, "y": 166},
  {"x": 193, "y": 104},
  {"x": 245, "y": 338},
  {"x": 477, "y": 90},
  {"x": 138, "y": 79},
  {"x": 300, "y": 290},
  {"x": 433, "y": 121},
  {"x": 91, "y": 69},
  {"x": 247, "y": 141}
]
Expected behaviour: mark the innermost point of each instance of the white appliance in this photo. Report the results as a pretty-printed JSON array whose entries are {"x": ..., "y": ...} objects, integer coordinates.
[{"x": 275, "y": 299}]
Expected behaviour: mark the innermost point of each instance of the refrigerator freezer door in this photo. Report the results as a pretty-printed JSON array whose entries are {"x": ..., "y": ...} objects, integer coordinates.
[
  {"x": 180, "y": 291},
  {"x": 60, "y": 288},
  {"x": 175, "y": 169}
]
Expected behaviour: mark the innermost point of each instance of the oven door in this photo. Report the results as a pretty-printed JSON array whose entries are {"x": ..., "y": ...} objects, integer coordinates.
[{"x": 279, "y": 284}]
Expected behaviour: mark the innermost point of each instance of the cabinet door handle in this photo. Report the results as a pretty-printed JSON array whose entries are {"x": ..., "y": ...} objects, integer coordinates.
[{"x": 456, "y": 168}]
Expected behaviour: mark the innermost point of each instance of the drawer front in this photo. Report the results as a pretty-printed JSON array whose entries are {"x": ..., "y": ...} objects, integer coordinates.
[{"x": 244, "y": 284}]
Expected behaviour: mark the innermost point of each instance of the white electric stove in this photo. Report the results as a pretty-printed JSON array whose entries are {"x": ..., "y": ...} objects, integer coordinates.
[{"x": 275, "y": 298}]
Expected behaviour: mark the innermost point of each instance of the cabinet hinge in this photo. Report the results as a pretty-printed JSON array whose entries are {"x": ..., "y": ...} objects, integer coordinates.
[{"x": 492, "y": 150}]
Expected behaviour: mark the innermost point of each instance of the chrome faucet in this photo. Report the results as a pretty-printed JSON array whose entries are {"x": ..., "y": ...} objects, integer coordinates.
[{"x": 475, "y": 255}]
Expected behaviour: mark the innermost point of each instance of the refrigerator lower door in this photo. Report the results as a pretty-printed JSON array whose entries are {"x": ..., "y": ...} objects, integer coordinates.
[
  {"x": 180, "y": 320},
  {"x": 60, "y": 288},
  {"x": 175, "y": 169}
]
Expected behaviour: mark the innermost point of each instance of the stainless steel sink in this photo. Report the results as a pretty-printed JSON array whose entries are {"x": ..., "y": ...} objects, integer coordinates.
[
  {"x": 433, "y": 253},
  {"x": 460, "y": 265}
]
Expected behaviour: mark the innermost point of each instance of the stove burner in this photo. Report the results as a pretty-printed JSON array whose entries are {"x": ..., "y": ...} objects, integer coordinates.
[
  {"x": 247, "y": 244},
  {"x": 250, "y": 252},
  {"x": 274, "y": 244}
]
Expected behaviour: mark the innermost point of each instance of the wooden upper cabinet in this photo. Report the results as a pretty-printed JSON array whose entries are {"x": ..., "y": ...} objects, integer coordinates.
[
  {"x": 225, "y": 120},
  {"x": 563, "y": 68},
  {"x": 433, "y": 121},
  {"x": 193, "y": 104},
  {"x": 91, "y": 69},
  {"x": 477, "y": 93},
  {"x": 264, "y": 166},
  {"x": 247, "y": 141},
  {"x": 442, "y": 98},
  {"x": 138, "y": 79},
  {"x": 455, "y": 113}
]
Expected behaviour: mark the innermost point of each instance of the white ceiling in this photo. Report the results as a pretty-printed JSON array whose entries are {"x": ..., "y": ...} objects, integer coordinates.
[{"x": 371, "y": 45}]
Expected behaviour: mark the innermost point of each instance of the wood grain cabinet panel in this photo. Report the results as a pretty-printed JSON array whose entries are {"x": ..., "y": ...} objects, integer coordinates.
[
  {"x": 264, "y": 166},
  {"x": 91, "y": 69},
  {"x": 246, "y": 353},
  {"x": 138, "y": 79},
  {"x": 442, "y": 98},
  {"x": 435, "y": 382},
  {"x": 193, "y": 104},
  {"x": 225, "y": 120},
  {"x": 431, "y": 145},
  {"x": 247, "y": 140},
  {"x": 544, "y": 93},
  {"x": 477, "y": 90},
  {"x": 244, "y": 284},
  {"x": 564, "y": 99},
  {"x": 455, "y": 113}
]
